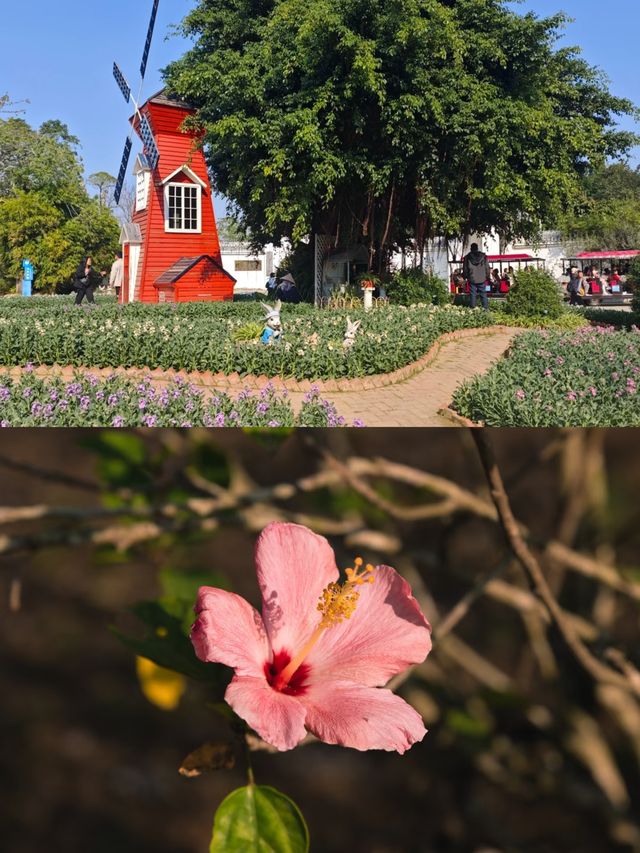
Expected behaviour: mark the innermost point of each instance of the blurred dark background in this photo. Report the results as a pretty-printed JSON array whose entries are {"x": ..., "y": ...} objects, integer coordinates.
[{"x": 524, "y": 752}]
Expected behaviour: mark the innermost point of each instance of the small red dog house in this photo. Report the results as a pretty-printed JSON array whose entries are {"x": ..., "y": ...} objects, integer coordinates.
[{"x": 171, "y": 249}]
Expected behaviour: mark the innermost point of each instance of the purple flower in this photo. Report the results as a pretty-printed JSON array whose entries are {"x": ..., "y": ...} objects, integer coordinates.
[
  {"x": 113, "y": 400},
  {"x": 4, "y": 393},
  {"x": 48, "y": 410},
  {"x": 73, "y": 389},
  {"x": 36, "y": 409},
  {"x": 262, "y": 408},
  {"x": 593, "y": 391},
  {"x": 4, "y": 424},
  {"x": 520, "y": 395},
  {"x": 99, "y": 395},
  {"x": 572, "y": 396},
  {"x": 219, "y": 420},
  {"x": 85, "y": 402},
  {"x": 149, "y": 420},
  {"x": 53, "y": 395},
  {"x": 142, "y": 404},
  {"x": 358, "y": 423},
  {"x": 28, "y": 368},
  {"x": 93, "y": 380},
  {"x": 63, "y": 405},
  {"x": 186, "y": 425},
  {"x": 118, "y": 421},
  {"x": 273, "y": 424},
  {"x": 27, "y": 393},
  {"x": 548, "y": 372}
]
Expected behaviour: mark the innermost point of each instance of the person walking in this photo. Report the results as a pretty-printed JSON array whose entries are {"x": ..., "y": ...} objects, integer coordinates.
[
  {"x": 116, "y": 277},
  {"x": 85, "y": 281},
  {"x": 477, "y": 273}
]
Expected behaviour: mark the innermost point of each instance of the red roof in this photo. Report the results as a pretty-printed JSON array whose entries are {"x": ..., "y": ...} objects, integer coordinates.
[
  {"x": 630, "y": 253},
  {"x": 523, "y": 256}
]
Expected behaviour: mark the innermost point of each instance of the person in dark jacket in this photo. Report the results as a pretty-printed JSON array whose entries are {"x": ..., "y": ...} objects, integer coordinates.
[
  {"x": 477, "y": 273},
  {"x": 85, "y": 281}
]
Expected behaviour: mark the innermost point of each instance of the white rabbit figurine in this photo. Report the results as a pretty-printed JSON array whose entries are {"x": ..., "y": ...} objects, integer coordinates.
[
  {"x": 273, "y": 325},
  {"x": 350, "y": 337}
]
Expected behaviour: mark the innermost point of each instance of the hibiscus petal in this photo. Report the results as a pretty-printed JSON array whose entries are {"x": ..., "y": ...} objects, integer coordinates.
[
  {"x": 386, "y": 633},
  {"x": 361, "y": 717},
  {"x": 276, "y": 717},
  {"x": 229, "y": 630},
  {"x": 294, "y": 565}
]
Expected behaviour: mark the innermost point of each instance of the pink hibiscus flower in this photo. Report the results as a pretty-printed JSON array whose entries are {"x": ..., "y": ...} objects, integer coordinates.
[{"x": 319, "y": 654}]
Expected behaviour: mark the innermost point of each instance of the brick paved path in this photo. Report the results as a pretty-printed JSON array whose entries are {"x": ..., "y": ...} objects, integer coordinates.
[{"x": 416, "y": 401}]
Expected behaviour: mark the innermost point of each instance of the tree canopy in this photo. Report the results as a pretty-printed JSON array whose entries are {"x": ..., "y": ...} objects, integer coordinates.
[
  {"x": 45, "y": 212},
  {"x": 608, "y": 216},
  {"x": 391, "y": 122}
]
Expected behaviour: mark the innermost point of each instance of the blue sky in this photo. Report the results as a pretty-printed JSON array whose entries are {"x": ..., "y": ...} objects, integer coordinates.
[{"x": 58, "y": 54}]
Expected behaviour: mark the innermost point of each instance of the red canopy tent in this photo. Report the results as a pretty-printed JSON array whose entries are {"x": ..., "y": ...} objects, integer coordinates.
[
  {"x": 501, "y": 261},
  {"x": 604, "y": 260}
]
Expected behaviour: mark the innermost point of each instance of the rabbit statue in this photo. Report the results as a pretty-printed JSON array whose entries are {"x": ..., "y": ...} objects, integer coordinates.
[
  {"x": 272, "y": 324},
  {"x": 350, "y": 336}
]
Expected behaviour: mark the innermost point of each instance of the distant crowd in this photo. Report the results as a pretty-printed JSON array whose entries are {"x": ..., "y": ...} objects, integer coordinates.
[{"x": 590, "y": 282}]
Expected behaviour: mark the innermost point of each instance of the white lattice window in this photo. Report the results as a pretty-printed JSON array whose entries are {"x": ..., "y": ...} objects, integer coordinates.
[
  {"x": 182, "y": 207},
  {"x": 142, "y": 189}
]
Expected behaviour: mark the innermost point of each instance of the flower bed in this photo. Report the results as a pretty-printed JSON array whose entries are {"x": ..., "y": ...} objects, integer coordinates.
[
  {"x": 32, "y": 401},
  {"x": 199, "y": 337},
  {"x": 586, "y": 378}
]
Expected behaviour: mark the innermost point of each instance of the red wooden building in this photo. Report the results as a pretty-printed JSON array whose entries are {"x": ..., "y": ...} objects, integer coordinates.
[{"x": 171, "y": 249}]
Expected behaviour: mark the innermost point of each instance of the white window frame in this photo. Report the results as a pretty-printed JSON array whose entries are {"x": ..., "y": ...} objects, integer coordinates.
[
  {"x": 183, "y": 185},
  {"x": 143, "y": 180}
]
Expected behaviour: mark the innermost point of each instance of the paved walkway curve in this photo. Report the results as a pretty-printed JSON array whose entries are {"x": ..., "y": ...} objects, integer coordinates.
[{"x": 417, "y": 401}]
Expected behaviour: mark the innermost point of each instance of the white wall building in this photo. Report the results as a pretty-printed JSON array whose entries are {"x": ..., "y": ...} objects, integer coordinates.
[{"x": 250, "y": 269}]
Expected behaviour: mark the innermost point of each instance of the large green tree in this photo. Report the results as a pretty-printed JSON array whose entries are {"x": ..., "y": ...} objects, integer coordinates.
[
  {"x": 390, "y": 121},
  {"x": 608, "y": 210},
  {"x": 46, "y": 214}
]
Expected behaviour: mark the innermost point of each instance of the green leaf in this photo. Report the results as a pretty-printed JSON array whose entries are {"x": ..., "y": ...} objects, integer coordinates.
[
  {"x": 165, "y": 644},
  {"x": 259, "y": 818}
]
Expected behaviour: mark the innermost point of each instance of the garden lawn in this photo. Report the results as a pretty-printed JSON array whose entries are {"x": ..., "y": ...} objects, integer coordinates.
[
  {"x": 199, "y": 337},
  {"x": 586, "y": 378},
  {"x": 87, "y": 401}
]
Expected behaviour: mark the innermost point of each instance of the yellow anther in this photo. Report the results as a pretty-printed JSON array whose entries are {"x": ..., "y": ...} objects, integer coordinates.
[
  {"x": 369, "y": 568},
  {"x": 358, "y": 561}
]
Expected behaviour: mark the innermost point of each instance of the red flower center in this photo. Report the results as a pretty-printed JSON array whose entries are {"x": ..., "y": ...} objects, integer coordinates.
[{"x": 296, "y": 685}]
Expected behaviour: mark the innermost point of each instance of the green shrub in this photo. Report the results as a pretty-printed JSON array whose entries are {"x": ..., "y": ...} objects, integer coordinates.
[
  {"x": 247, "y": 332},
  {"x": 567, "y": 321},
  {"x": 413, "y": 286},
  {"x": 534, "y": 294},
  {"x": 199, "y": 336}
]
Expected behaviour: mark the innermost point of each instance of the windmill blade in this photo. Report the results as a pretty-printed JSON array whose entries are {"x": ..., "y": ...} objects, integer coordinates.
[
  {"x": 125, "y": 88},
  {"x": 147, "y": 46},
  {"x": 123, "y": 170},
  {"x": 148, "y": 139}
]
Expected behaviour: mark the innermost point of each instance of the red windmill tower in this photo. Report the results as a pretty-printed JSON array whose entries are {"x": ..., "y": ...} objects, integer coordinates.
[{"x": 171, "y": 249}]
